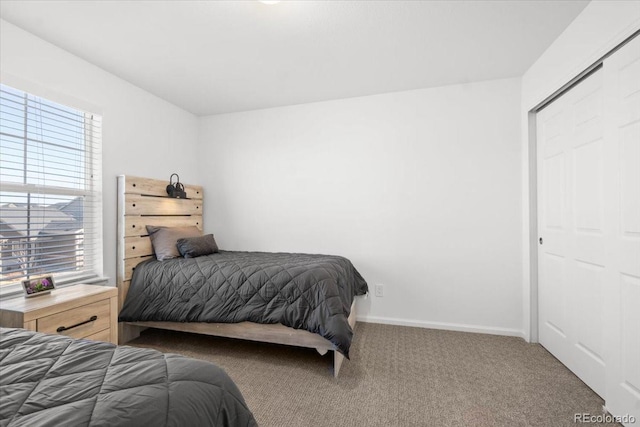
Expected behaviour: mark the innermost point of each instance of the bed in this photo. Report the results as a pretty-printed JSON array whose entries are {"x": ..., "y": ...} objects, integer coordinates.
[
  {"x": 298, "y": 299},
  {"x": 54, "y": 380}
]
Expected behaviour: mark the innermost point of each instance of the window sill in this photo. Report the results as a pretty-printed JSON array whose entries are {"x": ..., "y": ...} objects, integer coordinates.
[{"x": 15, "y": 291}]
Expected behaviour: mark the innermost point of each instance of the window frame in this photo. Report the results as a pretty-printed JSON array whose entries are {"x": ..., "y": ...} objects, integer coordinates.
[{"x": 92, "y": 272}]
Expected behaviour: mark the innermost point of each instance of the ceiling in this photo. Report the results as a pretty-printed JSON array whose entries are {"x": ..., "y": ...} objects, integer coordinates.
[{"x": 212, "y": 57}]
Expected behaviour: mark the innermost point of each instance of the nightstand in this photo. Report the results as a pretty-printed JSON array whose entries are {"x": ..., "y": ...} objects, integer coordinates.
[{"x": 79, "y": 311}]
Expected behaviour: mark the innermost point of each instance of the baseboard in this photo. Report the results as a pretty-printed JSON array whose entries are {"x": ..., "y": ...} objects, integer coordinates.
[{"x": 443, "y": 326}]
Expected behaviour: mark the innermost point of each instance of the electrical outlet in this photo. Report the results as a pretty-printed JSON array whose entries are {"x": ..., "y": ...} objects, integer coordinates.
[{"x": 379, "y": 290}]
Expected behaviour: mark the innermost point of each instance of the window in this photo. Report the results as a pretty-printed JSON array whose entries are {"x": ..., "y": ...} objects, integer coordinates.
[{"x": 50, "y": 190}]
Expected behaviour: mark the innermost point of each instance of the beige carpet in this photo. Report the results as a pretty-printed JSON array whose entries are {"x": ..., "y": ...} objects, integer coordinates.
[{"x": 397, "y": 376}]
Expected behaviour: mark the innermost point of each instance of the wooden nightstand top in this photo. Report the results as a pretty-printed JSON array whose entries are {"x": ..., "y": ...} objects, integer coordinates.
[{"x": 58, "y": 300}]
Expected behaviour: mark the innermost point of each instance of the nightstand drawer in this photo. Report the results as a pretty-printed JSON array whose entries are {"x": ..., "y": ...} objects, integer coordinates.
[{"x": 77, "y": 321}]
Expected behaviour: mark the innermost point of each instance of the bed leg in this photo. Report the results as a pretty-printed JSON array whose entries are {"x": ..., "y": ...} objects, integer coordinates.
[
  {"x": 338, "y": 358},
  {"x": 128, "y": 333}
]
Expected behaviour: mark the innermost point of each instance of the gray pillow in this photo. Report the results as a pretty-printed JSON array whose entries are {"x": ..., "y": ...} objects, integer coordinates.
[
  {"x": 164, "y": 239},
  {"x": 192, "y": 247}
]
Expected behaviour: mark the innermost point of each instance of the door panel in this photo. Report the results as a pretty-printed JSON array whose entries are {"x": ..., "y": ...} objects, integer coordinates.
[
  {"x": 622, "y": 217},
  {"x": 630, "y": 177},
  {"x": 572, "y": 256},
  {"x": 630, "y": 327},
  {"x": 587, "y": 183},
  {"x": 555, "y": 311},
  {"x": 590, "y": 308},
  {"x": 554, "y": 170}
]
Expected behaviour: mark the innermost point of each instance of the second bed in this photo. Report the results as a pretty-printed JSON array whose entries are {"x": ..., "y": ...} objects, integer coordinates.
[{"x": 293, "y": 299}]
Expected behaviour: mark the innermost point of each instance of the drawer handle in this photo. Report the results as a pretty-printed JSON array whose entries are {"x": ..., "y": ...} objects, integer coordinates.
[{"x": 63, "y": 328}]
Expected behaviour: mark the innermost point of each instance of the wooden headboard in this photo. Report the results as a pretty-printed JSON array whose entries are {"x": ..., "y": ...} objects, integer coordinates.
[{"x": 142, "y": 202}]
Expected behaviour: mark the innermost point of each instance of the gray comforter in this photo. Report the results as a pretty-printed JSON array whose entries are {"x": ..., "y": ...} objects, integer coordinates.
[
  {"x": 311, "y": 292},
  {"x": 52, "y": 380}
]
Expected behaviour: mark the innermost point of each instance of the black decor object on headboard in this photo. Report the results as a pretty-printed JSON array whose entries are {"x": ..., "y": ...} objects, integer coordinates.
[{"x": 176, "y": 190}]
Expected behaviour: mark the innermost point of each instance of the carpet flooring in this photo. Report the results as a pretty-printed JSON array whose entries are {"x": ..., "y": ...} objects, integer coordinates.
[{"x": 397, "y": 376}]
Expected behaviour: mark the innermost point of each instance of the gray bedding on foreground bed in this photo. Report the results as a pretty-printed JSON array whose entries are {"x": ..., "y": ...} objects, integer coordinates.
[
  {"x": 52, "y": 380},
  {"x": 302, "y": 291}
]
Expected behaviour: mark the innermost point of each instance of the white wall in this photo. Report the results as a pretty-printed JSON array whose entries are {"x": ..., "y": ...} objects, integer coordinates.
[
  {"x": 600, "y": 27},
  {"x": 420, "y": 189},
  {"x": 142, "y": 135}
]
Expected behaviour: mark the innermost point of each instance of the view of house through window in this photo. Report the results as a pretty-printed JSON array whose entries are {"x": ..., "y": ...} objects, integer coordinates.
[{"x": 50, "y": 189}]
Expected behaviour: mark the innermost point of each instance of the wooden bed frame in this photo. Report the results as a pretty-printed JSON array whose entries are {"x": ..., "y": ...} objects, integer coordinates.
[{"x": 142, "y": 202}]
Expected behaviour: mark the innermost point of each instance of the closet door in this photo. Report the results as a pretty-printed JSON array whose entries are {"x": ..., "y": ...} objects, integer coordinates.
[
  {"x": 572, "y": 228},
  {"x": 622, "y": 171}
]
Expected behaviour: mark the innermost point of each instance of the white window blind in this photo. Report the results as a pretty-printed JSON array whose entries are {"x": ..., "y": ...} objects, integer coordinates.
[{"x": 50, "y": 190}]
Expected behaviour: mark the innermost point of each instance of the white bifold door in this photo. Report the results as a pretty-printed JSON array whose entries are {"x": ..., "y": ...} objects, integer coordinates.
[
  {"x": 588, "y": 143},
  {"x": 571, "y": 255},
  {"x": 622, "y": 197}
]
